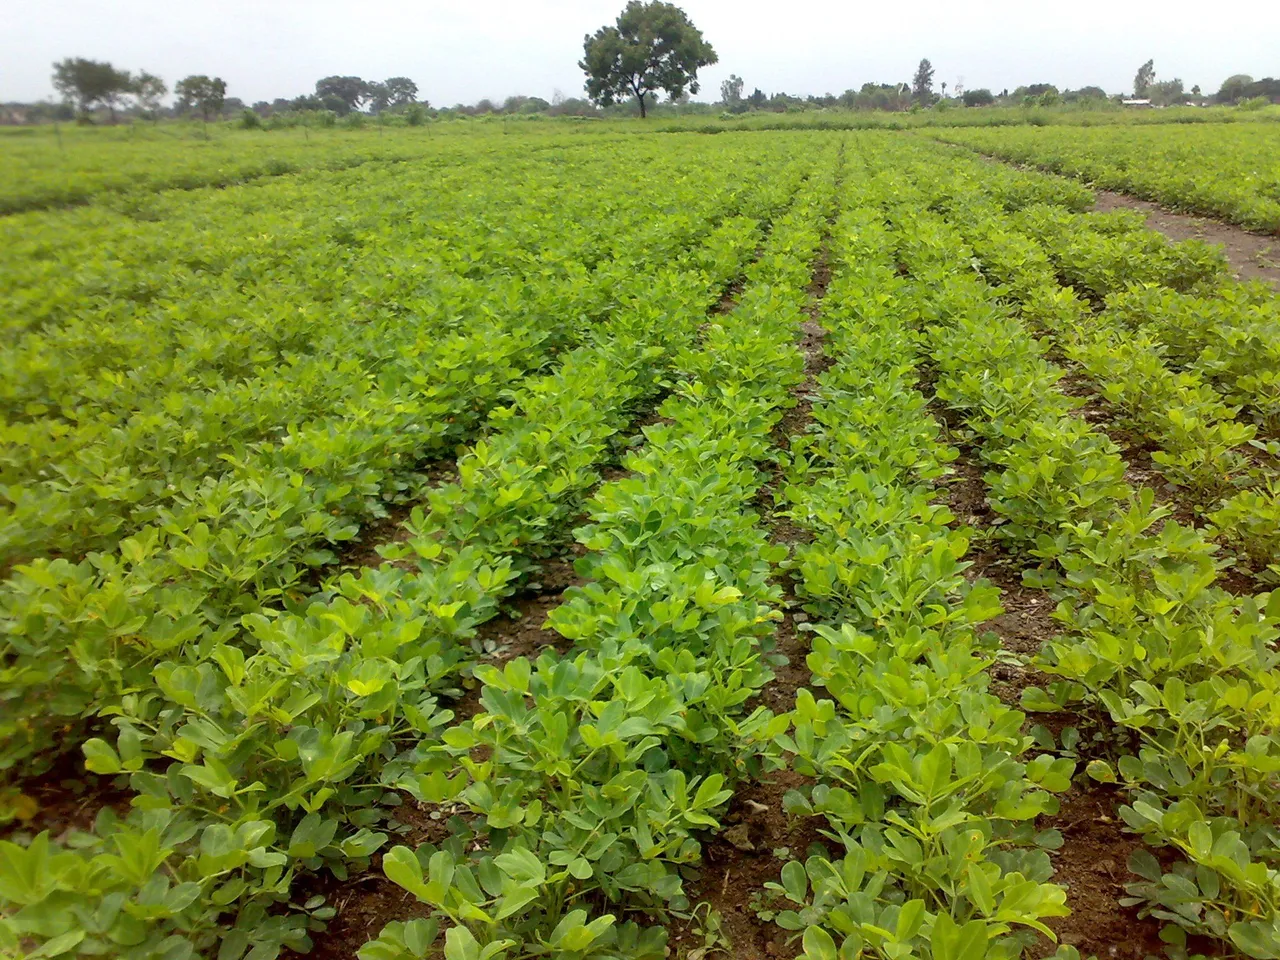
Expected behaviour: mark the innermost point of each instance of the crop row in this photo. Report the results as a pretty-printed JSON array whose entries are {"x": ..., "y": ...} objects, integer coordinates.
[
  {"x": 920, "y": 774},
  {"x": 1178, "y": 673},
  {"x": 275, "y": 746},
  {"x": 1226, "y": 171},
  {"x": 1159, "y": 379},
  {"x": 87, "y": 166},
  {"x": 601, "y": 767},
  {"x": 245, "y": 542},
  {"x": 85, "y": 473},
  {"x": 1177, "y": 349}
]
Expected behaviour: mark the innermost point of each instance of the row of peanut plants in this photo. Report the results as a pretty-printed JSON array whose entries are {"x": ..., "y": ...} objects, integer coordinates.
[
  {"x": 1179, "y": 675},
  {"x": 246, "y": 543},
  {"x": 1185, "y": 359},
  {"x": 73, "y": 165},
  {"x": 921, "y": 776},
  {"x": 268, "y": 748},
  {"x": 1222, "y": 170},
  {"x": 589, "y": 778},
  {"x": 117, "y": 415}
]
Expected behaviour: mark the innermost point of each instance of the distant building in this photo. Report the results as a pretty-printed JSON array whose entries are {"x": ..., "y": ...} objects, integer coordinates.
[{"x": 1136, "y": 102}]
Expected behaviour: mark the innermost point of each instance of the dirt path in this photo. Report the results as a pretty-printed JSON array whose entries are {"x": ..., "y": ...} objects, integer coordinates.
[
  {"x": 758, "y": 836},
  {"x": 1251, "y": 256}
]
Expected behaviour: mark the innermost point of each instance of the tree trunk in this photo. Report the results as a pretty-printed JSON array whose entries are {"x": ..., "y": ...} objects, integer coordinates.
[{"x": 642, "y": 110}]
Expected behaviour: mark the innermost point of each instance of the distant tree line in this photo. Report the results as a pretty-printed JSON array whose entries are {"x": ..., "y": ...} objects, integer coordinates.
[{"x": 649, "y": 56}]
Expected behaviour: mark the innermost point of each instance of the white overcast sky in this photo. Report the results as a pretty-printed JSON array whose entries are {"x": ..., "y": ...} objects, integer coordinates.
[{"x": 462, "y": 51}]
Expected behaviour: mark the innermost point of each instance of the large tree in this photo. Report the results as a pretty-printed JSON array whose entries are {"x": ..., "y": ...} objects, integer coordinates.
[
  {"x": 378, "y": 96},
  {"x": 1233, "y": 88},
  {"x": 922, "y": 83},
  {"x": 1145, "y": 76},
  {"x": 1167, "y": 92},
  {"x": 149, "y": 89},
  {"x": 205, "y": 95},
  {"x": 401, "y": 91},
  {"x": 654, "y": 46},
  {"x": 89, "y": 83},
  {"x": 731, "y": 92},
  {"x": 342, "y": 94}
]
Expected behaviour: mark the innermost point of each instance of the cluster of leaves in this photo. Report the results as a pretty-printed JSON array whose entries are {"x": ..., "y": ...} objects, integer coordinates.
[
  {"x": 271, "y": 734},
  {"x": 1176, "y": 369},
  {"x": 1225, "y": 170},
  {"x": 919, "y": 770},
  {"x": 585, "y": 776},
  {"x": 95, "y": 166},
  {"x": 236, "y": 542},
  {"x": 113, "y": 409},
  {"x": 1180, "y": 671}
]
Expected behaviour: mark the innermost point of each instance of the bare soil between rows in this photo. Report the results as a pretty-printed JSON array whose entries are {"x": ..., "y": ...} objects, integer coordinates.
[{"x": 1251, "y": 256}]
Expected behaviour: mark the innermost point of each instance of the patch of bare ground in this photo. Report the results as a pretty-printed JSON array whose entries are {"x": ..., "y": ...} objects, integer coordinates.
[
  {"x": 757, "y": 840},
  {"x": 521, "y": 630},
  {"x": 368, "y": 902},
  {"x": 362, "y": 551},
  {"x": 1251, "y": 256},
  {"x": 1091, "y": 863},
  {"x": 65, "y": 798}
]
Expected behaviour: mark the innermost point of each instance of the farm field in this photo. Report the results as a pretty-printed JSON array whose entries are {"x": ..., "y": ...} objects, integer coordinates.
[
  {"x": 1230, "y": 171},
  {"x": 772, "y": 544},
  {"x": 83, "y": 166}
]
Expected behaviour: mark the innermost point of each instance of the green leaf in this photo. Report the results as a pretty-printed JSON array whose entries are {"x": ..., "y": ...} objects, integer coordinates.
[
  {"x": 402, "y": 868},
  {"x": 1262, "y": 942},
  {"x": 1101, "y": 771},
  {"x": 795, "y": 881},
  {"x": 818, "y": 944},
  {"x": 100, "y": 757}
]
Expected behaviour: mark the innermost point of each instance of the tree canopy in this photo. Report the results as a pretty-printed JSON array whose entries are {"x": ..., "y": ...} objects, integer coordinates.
[
  {"x": 1145, "y": 76},
  {"x": 922, "y": 83},
  {"x": 654, "y": 46},
  {"x": 89, "y": 83},
  {"x": 149, "y": 89},
  {"x": 203, "y": 94},
  {"x": 342, "y": 94},
  {"x": 731, "y": 92}
]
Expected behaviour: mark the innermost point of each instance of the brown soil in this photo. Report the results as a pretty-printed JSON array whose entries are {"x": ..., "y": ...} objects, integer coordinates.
[
  {"x": 1250, "y": 256},
  {"x": 64, "y": 799},
  {"x": 363, "y": 550},
  {"x": 1092, "y": 865},
  {"x": 751, "y": 851},
  {"x": 792, "y": 642},
  {"x": 368, "y": 902},
  {"x": 521, "y": 630}
]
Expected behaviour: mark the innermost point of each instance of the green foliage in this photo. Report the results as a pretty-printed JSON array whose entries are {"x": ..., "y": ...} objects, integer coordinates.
[
  {"x": 212, "y": 396},
  {"x": 1165, "y": 163},
  {"x": 205, "y": 95},
  {"x": 92, "y": 82},
  {"x": 654, "y": 47}
]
